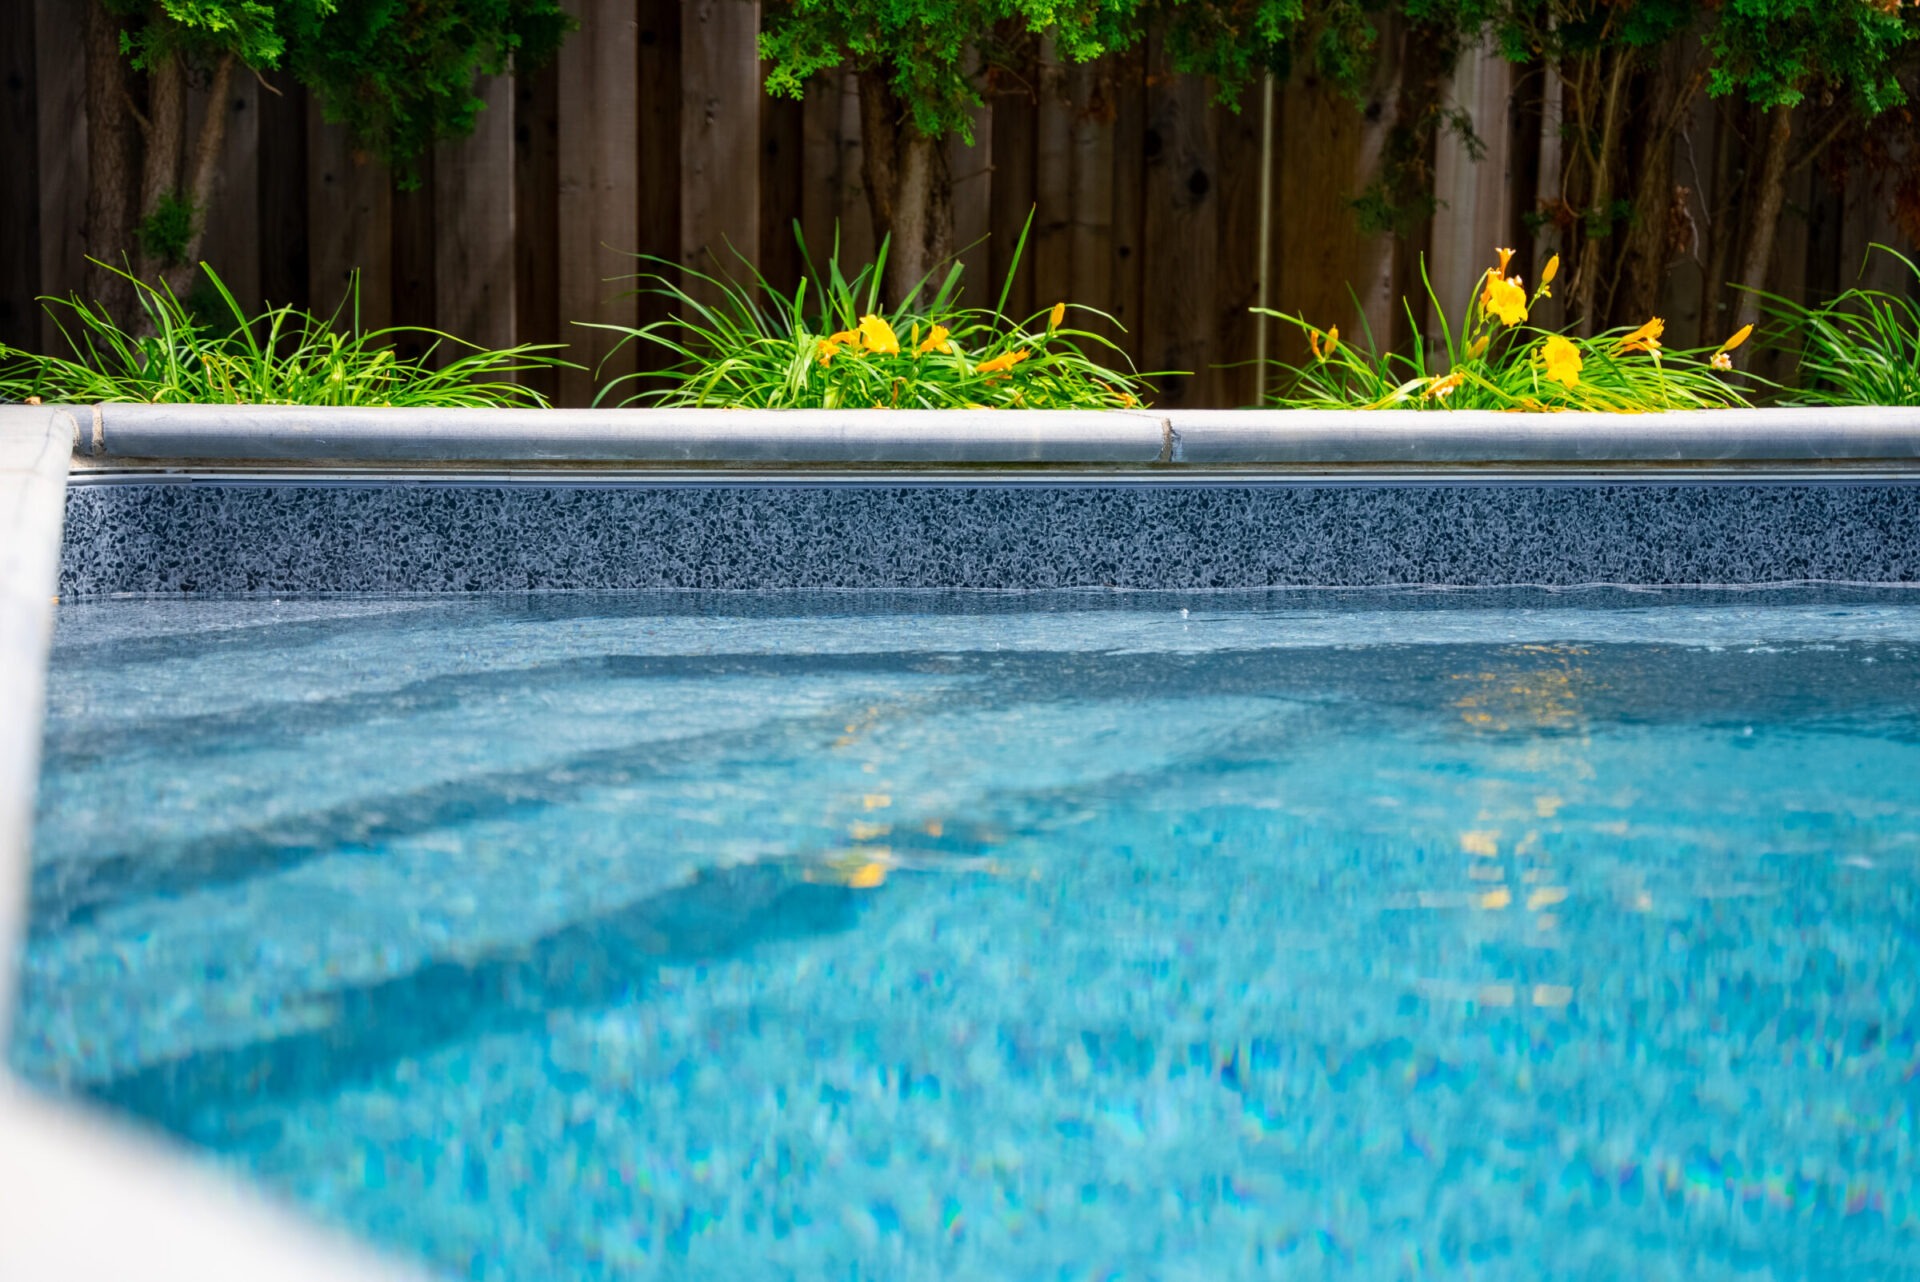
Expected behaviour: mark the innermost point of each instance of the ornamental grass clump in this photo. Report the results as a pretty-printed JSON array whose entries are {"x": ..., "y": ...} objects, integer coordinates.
[
  {"x": 831, "y": 344},
  {"x": 1494, "y": 360},
  {"x": 174, "y": 355},
  {"x": 1861, "y": 348}
]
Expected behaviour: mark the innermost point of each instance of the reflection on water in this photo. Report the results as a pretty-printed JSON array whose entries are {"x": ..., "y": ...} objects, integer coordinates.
[{"x": 1388, "y": 939}]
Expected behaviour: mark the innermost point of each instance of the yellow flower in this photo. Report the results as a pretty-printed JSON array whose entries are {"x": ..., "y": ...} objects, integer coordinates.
[
  {"x": 1644, "y": 339},
  {"x": 1563, "y": 361},
  {"x": 830, "y": 345},
  {"x": 1001, "y": 363},
  {"x": 1506, "y": 298},
  {"x": 1333, "y": 339},
  {"x": 1506, "y": 256},
  {"x": 935, "y": 341},
  {"x": 1740, "y": 336},
  {"x": 1442, "y": 387},
  {"x": 1054, "y": 318},
  {"x": 1721, "y": 361},
  {"x": 878, "y": 336},
  {"x": 1552, "y": 270},
  {"x": 1478, "y": 347}
]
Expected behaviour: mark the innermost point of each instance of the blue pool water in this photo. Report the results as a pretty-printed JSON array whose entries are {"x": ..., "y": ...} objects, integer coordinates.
[{"x": 1355, "y": 936}]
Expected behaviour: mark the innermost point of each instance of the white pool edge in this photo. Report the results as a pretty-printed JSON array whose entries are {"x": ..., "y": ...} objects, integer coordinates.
[{"x": 83, "y": 1198}]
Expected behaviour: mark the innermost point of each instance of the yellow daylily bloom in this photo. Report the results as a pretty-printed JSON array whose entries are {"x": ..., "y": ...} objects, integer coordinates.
[
  {"x": 1644, "y": 339},
  {"x": 1505, "y": 298},
  {"x": 935, "y": 341},
  {"x": 1333, "y": 339},
  {"x": 1506, "y": 256},
  {"x": 1441, "y": 387},
  {"x": 1552, "y": 269},
  {"x": 878, "y": 336},
  {"x": 1058, "y": 314},
  {"x": 830, "y": 345},
  {"x": 1563, "y": 361},
  {"x": 1740, "y": 336},
  {"x": 1478, "y": 347},
  {"x": 1001, "y": 363}
]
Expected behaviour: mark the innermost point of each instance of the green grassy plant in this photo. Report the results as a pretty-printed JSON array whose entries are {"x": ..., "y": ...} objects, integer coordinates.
[
  {"x": 832, "y": 345},
  {"x": 1861, "y": 348},
  {"x": 280, "y": 357},
  {"x": 1491, "y": 359}
]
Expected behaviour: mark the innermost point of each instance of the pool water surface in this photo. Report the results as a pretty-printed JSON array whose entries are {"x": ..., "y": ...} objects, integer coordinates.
[{"x": 947, "y": 936}]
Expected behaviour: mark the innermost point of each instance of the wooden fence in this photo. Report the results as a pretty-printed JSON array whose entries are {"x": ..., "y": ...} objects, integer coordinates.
[{"x": 652, "y": 135}]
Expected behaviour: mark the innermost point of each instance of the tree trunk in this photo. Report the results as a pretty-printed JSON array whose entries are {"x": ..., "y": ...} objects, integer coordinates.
[
  {"x": 203, "y": 170},
  {"x": 1770, "y": 194},
  {"x": 166, "y": 136},
  {"x": 909, "y": 188},
  {"x": 110, "y": 162}
]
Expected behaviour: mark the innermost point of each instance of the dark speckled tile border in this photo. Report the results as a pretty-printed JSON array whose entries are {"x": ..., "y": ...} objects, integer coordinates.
[{"x": 295, "y": 536}]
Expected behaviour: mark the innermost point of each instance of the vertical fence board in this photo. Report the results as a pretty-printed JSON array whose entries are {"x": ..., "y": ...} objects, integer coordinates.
[
  {"x": 349, "y": 221},
  {"x": 1011, "y": 200},
  {"x": 719, "y": 132},
  {"x": 972, "y": 170},
  {"x": 1090, "y": 280},
  {"x": 61, "y": 83},
  {"x": 473, "y": 202},
  {"x": 859, "y": 238},
  {"x": 281, "y": 201},
  {"x": 536, "y": 218},
  {"x": 1052, "y": 241},
  {"x": 782, "y": 123},
  {"x": 660, "y": 168},
  {"x": 599, "y": 187},
  {"x": 416, "y": 275},
  {"x": 19, "y": 200},
  {"x": 1473, "y": 219},
  {"x": 1129, "y": 198},
  {"x": 1182, "y": 236},
  {"x": 232, "y": 243},
  {"x": 819, "y": 164},
  {"x": 1232, "y": 380}
]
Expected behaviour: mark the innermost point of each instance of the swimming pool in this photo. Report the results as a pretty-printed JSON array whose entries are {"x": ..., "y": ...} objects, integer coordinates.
[{"x": 921, "y": 935}]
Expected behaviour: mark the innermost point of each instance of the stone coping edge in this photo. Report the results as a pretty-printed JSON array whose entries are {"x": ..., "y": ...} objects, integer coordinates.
[
  {"x": 1167, "y": 439},
  {"x": 86, "y": 1198}
]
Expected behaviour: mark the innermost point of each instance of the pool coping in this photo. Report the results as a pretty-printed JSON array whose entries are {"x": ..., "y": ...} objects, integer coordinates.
[
  {"x": 1169, "y": 443},
  {"x": 87, "y": 1197}
]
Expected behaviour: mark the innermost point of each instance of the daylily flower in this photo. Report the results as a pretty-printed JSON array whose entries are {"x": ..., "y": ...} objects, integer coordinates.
[
  {"x": 1506, "y": 256},
  {"x": 1442, "y": 386},
  {"x": 1563, "y": 361},
  {"x": 935, "y": 341},
  {"x": 1333, "y": 339},
  {"x": 1506, "y": 298},
  {"x": 1644, "y": 339},
  {"x": 1001, "y": 363},
  {"x": 1721, "y": 361},
  {"x": 1551, "y": 270},
  {"x": 1740, "y": 336},
  {"x": 1478, "y": 348},
  {"x": 830, "y": 345},
  {"x": 1058, "y": 314},
  {"x": 878, "y": 336}
]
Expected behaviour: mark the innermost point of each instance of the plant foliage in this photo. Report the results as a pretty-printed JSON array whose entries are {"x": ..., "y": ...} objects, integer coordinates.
[
  {"x": 280, "y": 357},
  {"x": 1862, "y": 348},
  {"x": 833, "y": 345},
  {"x": 1491, "y": 359}
]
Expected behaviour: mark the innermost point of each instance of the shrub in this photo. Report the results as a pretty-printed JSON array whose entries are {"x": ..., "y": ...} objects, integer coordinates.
[
  {"x": 1494, "y": 360},
  {"x": 280, "y": 357},
  {"x": 1862, "y": 348},
  {"x": 832, "y": 345}
]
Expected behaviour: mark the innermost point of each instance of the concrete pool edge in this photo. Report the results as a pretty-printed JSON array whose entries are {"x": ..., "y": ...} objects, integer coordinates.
[{"x": 87, "y": 1198}]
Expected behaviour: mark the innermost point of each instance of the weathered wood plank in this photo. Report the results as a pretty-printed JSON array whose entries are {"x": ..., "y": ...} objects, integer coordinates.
[
  {"x": 1090, "y": 241},
  {"x": 782, "y": 126},
  {"x": 473, "y": 203},
  {"x": 281, "y": 200},
  {"x": 660, "y": 168},
  {"x": 1475, "y": 204},
  {"x": 1051, "y": 244},
  {"x": 719, "y": 135},
  {"x": 972, "y": 170},
  {"x": 20, "y": 197},
  {"x": 61, "y": 85},
  {"x": 599, "y": 187},
  {"x": 1129, "y": 198},
  {"x": 859, "y": 239},
  {"x": 416, "y": 267},
  {"x": 1232, "y": 380},
  {"x": 536, "y": 218},
  {"x": 820, "y": 164},
  {"x": 1011, "y": 201},
  {"x": 350, "y": 225},
  {"x": 1182, "y": 237}
]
